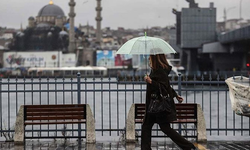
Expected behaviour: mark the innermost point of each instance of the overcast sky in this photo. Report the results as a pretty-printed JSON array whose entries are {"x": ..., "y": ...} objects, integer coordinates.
[{"x": 132, "y": 14}]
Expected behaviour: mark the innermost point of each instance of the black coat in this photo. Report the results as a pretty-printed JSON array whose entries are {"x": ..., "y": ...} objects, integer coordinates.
[{"x": 160, "y": 76}]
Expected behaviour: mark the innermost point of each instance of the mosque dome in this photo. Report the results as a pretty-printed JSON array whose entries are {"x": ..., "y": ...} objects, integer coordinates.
[
  {"x": 51, "y": 10},
  {"x": 31, "y": 18}
]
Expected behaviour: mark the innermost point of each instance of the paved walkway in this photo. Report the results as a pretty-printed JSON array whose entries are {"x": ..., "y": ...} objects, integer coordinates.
[{"x": 59, "y": 145}]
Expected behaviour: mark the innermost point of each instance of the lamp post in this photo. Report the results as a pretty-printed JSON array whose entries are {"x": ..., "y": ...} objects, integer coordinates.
[
  {"x": 226, "y": 11},
  {"x": 225, "y": 16},
  {"x": 240, "y": 9}
]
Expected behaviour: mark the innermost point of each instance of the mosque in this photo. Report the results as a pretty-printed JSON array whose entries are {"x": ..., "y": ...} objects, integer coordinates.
[
  {"x": 52, "y": 40},
  {"x": 45, "y": 32},
  {"x": 45, "y": 42}
]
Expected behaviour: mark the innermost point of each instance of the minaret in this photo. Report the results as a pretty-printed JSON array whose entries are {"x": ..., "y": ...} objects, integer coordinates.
[
  {"x": 21, "y": 28},
  {"x": 88, "y": 29},
  {"x": 72, "y": 29},
  {"x": 98, "y": 22}
]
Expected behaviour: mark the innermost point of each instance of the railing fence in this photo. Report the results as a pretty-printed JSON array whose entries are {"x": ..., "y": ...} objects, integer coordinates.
[{"x": 110, "y": 99}]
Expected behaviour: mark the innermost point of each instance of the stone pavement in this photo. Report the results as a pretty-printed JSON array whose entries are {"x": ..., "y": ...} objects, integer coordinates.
[{"x": 168, "y": 145}]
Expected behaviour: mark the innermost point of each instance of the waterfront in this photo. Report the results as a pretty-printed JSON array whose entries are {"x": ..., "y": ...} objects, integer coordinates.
[
  {"x": 110, "y": 102},
  {"x": 167, "y": 145}
]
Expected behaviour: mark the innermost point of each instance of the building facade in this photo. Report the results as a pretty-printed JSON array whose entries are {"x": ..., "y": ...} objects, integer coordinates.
[{"x": 195, "y": 26}]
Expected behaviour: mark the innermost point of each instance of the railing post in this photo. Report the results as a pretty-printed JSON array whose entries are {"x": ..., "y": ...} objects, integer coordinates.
[
  {"x": 79, "y": 88},
  {"x": 179, "y": 93},
  {"x": 179, "y": 83},
  {"x": 79, "y": 102},
  {"x": 1, "y": 109}
]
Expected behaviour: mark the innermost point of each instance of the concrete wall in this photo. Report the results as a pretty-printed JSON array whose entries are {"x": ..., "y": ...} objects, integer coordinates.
[{"x": 227, "y": 61}]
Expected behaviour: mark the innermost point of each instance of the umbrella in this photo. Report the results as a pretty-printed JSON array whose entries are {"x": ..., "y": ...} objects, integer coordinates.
[
  {"x": 68, "y": 26},
  {"x": 146, "y": 45}
]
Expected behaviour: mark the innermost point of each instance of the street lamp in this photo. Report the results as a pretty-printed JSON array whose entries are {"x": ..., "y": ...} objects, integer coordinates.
[
  {"x": 240, "y": 9},
  {"x": 225, "y": 16},
  {"x": 226, "y": 11}
]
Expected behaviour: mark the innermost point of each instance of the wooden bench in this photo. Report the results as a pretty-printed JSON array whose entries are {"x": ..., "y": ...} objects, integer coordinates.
[
  {"x": 186, "y": 113},
  {"x": 55, "y": 114}
]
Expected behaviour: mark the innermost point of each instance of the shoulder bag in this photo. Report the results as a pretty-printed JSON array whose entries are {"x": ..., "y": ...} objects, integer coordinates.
[{"x": 159, "y": 103}]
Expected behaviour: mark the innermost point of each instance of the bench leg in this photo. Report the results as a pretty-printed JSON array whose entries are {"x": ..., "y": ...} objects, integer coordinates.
[
  {"x": 130, "y": 125},
  {"x": 130, "y": 146},
  {"x": 201, "y": 125},
  {"x": 19, "y": 127},
  {"x": 90, "y": 147},
  {"x": 90, "y": 126}
]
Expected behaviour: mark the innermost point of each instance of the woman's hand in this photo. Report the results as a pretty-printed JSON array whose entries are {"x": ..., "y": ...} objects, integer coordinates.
[
  {"x": 147, "y": 79},
  {"x": 179, "y": 98}
]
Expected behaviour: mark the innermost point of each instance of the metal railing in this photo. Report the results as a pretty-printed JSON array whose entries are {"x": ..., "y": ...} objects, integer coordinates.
[{"x": 110, "y": 99}]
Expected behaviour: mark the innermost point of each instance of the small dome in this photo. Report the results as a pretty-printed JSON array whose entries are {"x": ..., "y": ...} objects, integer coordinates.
[
  {"x": 51, "y": 10},
  {"x": 31, "y": 18}
]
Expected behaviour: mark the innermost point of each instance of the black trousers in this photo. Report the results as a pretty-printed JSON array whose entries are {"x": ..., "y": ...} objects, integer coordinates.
[{"x": 166, "y": 128}]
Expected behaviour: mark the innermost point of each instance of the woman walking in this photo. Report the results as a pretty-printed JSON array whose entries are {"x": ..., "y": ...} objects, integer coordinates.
[{"x": 160, "y": 70}]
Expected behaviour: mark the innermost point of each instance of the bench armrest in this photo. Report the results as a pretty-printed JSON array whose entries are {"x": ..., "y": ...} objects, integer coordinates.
[
  {"x": 90, "y": 126},
  {"x": 130, "y": 125},
  {"x": 19, "y": 127},
  {"x": 201, "y": 125}
]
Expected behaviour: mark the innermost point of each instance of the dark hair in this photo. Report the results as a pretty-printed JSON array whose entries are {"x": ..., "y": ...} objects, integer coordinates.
[{"x": 158, "y": 61}]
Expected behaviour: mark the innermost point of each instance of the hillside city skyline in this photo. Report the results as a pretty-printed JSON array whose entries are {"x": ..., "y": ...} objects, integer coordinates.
[{"x": 118, "y": 14}]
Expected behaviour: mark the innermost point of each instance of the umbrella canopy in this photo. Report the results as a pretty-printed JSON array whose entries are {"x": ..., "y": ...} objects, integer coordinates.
[
  {"x": 146, "y": 45},
  {"x": 68, "y": 26}
]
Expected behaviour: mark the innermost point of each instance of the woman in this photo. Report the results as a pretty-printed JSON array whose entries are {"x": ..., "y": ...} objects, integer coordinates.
[{"x": 159, "y": 76}]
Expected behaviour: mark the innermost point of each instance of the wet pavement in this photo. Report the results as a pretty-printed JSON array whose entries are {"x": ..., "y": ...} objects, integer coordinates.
[{"x": 167, "y": 145}]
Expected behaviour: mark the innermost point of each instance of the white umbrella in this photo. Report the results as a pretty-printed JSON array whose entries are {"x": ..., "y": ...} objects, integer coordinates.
[{"x": 146, "y": 45}]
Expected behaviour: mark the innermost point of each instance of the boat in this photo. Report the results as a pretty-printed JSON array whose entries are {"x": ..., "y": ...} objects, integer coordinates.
[{"x": 239, "y": 94}]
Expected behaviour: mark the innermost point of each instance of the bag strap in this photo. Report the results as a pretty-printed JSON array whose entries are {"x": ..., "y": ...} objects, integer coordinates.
[{"x": 161, "y": 91}]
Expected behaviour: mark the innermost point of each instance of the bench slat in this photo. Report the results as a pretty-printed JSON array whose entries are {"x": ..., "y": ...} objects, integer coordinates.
[
  {"x": 53, "y": 113},
  {"x": 178, "y": 117},
  {"x": 55, "y": 118},
  {"x": 186, "y": 117},
  {"x": 177, "y": 121},
  {"x": 185, "y": 121},
  {"x": 177, "y": 112},
  {"x": 185, "y": 108},
  {"x": 185, "y": 104},
  {"x": 55, "y": 122},
  {"x": 139, "y": 117},
  {"x": 185, "y": 111},
  {"x": 54, "y": 109},
  {"x": 140, "y": 113},
  {"x": 55, "y": 106}
]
